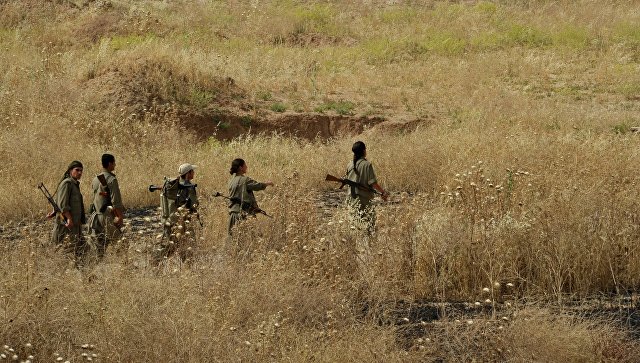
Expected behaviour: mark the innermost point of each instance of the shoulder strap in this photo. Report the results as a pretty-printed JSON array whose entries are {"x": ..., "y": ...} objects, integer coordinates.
[{"x": 354, "y": 167}]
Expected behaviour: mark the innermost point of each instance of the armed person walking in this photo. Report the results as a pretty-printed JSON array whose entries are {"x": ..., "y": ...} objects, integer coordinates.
[
  {"x": 67, "y": 232},
  {"x": 179, "y": 202},
  {"x": 360, "y": 171},
  {"x": 241, "y": 188},
  {"x": 106, "y": 216}
]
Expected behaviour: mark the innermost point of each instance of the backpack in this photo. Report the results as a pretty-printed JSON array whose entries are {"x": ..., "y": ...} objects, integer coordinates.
[
  {"x": 169, "y": 195},
  {"x": 174, "y": 195}
]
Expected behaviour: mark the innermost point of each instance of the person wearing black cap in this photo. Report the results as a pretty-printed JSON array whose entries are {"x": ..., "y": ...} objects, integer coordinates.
[{"x": 69, "y": 199}]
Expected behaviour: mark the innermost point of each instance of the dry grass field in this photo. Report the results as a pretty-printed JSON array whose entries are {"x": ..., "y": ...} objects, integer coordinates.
[{"x": 502, "y": 129}]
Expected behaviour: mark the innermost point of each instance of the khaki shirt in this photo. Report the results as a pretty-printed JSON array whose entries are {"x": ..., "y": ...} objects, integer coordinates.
[
  {"x": 363, "y": 174},
  {"x": 116, "y": 198},
  {"x": 242, "y": 187},
  {"x": 69, "y": 199}
]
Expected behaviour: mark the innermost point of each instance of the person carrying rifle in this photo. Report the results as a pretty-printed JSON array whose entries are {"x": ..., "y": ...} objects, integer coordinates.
[
  {"x": 68, "y": 235},
  {"x": 241, "y": 188},
  {"x": 107, "y": 210},
  {"x": 360, "y": 171},
  {"x": 179, "y": 202}
]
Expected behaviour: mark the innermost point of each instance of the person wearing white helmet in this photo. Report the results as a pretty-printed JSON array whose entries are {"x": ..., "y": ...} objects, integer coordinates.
[{"x": 179, "y": 202}]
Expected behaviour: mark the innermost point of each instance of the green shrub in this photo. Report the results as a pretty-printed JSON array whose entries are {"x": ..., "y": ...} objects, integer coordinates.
[
  {"x": 246, "y": 121},
  {"x": 340, "y": 107},
  {"x": 518, "y": 34},
  {"x": 444, "y": 43},
  {"x": 264, "y": 95},
  {"x": 278, "y": 107},
  {"x": 621, "y": 128},
  {"x": 572, "y": 36},
  {"x": 200, "y": 98}
]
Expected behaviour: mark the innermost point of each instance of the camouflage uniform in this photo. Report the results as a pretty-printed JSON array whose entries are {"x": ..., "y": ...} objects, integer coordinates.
[
  {"x": 102, "y": 223},
  {"x": 69, "y": 199},
  {"x": 241, "y": 190}
]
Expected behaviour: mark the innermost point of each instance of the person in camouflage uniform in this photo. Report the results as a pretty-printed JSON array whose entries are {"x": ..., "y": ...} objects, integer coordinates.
[
  {"x": 179, "y": 202},
  {"x": 361, "y": 171},
  {"x": 107, "y": 210},
  {"x": 68, "y": 235},
  {"x": 241, "y": 189}
]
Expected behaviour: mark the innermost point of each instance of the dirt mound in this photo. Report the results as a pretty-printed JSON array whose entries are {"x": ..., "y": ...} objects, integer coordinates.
[
  {"x": 143, "y": 85},
  {"x": 159, "y": 90}
]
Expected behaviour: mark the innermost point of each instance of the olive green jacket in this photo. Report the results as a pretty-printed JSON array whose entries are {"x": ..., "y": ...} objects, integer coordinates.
[
  {"x": 241, "y": 188},
  {"x": 69, "y": 199},
  {"x": 362, "y": 173},
  {"x": 116, "y": 198}
]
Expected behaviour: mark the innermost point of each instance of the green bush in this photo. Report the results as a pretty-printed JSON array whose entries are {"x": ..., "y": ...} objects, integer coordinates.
[
  {"x": 278, "y": 107},
  {"x": 340, "y": 107}
]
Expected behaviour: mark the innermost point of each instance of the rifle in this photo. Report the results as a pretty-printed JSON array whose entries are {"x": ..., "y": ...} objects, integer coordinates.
[
  {"x": 106, "y": 194},
  {"x": 350, "y": 183},
  {"x": 246, "y": 206},
  {"x": 108, "y": 206},
  {"x": 152, "y": 187},
  {"x": 53, "y": 203}
]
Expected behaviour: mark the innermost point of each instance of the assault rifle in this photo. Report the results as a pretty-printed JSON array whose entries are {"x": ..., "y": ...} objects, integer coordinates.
[
  {"x": 350, "y": 183},
  {"x": 56, "y": 209},
  {"x": 106, "y": 194},
  {"x": 108, "y": 206},
  {"x": 250, "y": 208}
]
